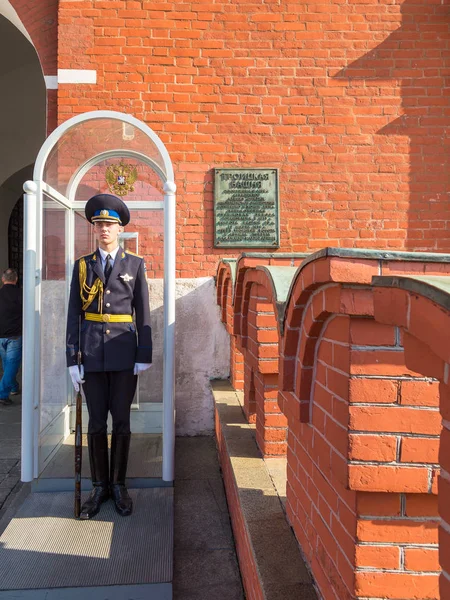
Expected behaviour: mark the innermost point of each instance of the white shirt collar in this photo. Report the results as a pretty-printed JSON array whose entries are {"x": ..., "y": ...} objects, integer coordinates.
[{"x": 113, "y": 254}]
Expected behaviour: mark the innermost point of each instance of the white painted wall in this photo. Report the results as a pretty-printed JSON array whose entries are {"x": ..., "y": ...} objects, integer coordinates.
[{"x": 202, "y": 352}]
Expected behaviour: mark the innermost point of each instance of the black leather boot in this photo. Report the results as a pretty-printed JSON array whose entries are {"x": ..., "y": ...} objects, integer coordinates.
[
  {"x": 98, "y": 458},
  {"x": 120, "y": 446}
]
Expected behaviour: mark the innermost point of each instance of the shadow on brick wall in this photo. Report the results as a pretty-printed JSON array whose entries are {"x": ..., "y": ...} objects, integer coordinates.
[{"x": 416, "y": 56}]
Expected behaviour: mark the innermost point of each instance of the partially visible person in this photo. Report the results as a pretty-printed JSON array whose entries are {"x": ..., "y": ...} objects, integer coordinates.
[{"x": 10, "y": 335}]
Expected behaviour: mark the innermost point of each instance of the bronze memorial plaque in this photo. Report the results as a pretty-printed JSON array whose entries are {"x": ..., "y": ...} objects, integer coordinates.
[{"x": 246, "y": 208}]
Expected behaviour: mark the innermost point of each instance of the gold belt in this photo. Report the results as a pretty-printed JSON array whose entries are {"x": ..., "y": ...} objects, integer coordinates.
[{"x": 106, "y": 318}]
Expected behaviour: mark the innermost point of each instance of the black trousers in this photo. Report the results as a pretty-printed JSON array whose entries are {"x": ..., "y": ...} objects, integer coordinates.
[{"x": 109, "y": 391}]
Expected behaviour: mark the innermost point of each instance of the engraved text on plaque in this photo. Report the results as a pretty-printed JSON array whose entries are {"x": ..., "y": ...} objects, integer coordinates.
[{"x": 246, "y": 208}]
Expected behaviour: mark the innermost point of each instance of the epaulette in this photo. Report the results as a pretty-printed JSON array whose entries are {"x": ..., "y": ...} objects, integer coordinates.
[
  {"x": 91, "y": 254},
  {"x": 133, "y": 253}
]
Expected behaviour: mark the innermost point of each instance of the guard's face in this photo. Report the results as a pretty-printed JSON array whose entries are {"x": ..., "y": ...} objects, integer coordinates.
[{"x": 107, "y": 232}]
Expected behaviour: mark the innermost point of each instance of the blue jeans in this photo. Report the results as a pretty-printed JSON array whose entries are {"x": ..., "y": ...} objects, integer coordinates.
[{"x": 11, "y": 356}]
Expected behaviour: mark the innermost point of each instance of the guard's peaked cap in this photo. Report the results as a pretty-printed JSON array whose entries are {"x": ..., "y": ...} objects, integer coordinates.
[{"x": 106, "y": 207}]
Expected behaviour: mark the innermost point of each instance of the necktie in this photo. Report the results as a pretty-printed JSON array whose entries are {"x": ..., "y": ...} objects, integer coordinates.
[{"x": 108, "y": 267}]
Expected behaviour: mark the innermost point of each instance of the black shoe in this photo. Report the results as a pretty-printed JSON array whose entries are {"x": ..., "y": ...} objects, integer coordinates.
[
  {"x": 120, "y": 446},
  {"x": 6, "y": 401},
  {"x": 92, "y": 505},
  {"x": 122, "y": 500},
  {"x": 98, "y": 459}
]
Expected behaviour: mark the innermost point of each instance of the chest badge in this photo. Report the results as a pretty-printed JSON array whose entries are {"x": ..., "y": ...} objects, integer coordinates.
[{"x": 126, "y": 277}]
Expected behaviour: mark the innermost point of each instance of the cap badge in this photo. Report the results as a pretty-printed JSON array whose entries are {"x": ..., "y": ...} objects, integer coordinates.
[
  {"x": 104, "y": 213},
  {"x": 120, "y": 178}
]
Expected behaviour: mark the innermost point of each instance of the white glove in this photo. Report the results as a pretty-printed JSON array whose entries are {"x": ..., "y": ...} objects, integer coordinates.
[
  {"x": 77, "y": 375},
  {"x": 140, "y": 367}
]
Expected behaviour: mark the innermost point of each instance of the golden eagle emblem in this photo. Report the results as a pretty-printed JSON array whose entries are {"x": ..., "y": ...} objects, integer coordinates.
[{"x": 120, "y": 178}]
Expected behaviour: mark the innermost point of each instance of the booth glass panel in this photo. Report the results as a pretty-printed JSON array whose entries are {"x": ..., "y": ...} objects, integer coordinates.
[
  {"x": 146, "y": 233},
  {"x": 53, "y": 371},
  {"x": 123, "y": 176},
  {"x": 84, "y": 238},
  {"x": 84, "y": 141}
]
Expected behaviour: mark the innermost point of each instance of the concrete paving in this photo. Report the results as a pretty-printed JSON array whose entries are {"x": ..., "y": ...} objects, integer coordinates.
[
  {"x": 205, "y": 562},
  {"x": 260, "y": 487},
  {"x": 10, "y": 433}
]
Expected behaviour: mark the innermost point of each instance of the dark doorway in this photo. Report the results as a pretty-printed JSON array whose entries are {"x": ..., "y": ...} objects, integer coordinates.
[{"x": 15, "y": 239}]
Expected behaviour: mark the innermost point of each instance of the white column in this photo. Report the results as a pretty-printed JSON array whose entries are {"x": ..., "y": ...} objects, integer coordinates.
[
  {"x": 28, "y": 347},
  {"x": 169, "y": 332}
]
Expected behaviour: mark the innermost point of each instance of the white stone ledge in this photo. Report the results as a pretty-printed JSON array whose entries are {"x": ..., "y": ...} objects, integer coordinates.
[{"x": 77, "y": 76}]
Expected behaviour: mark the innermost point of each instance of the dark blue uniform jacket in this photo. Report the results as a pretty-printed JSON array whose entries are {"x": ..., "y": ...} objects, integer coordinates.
[{"x": 108, "y": 346}]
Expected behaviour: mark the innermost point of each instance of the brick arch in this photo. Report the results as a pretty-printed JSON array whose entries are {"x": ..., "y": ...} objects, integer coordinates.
[
  {"x": 239, "y": 293},
  {"x": 224, "y": 293},
  {"x": 240, "y": 319},
  {"x": 303, "y": 285},
  {"x": 220, "y": 275},
  {"x": 251, "y": 261},
  {"x": 40, "y": 19},
  {"x": 311, "y": 275},
  {"x": 340, "y": 267},
  {"x": 361, "y": 488},
  {"x": 323, "y": 304},
  {"x": 265, "y": 292},
  {"x": 259, "y": 339},
  {"x": 225, "y": 280}
]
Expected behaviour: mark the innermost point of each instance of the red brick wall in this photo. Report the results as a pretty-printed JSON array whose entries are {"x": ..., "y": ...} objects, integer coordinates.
[{"x": 348, "y": 100}]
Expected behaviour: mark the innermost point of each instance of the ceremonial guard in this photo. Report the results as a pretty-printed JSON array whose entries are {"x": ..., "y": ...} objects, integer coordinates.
[{"x": 109, "y": 319}]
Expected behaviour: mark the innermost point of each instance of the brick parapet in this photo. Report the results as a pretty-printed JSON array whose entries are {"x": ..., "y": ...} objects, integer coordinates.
[
  {"x": 357, "y": 440},
  {"x": 367, "y": 429}
]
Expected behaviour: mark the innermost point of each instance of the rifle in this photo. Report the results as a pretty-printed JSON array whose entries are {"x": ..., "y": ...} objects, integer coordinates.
[{"x": 78, "y": 443}]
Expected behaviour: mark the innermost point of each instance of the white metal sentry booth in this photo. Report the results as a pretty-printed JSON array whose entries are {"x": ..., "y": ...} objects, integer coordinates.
[{"x": 69, "y": 169}]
